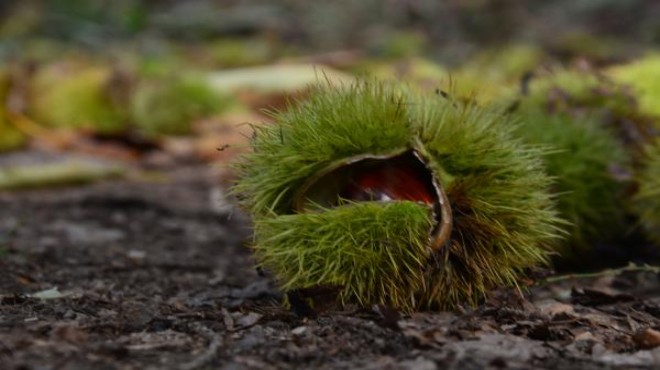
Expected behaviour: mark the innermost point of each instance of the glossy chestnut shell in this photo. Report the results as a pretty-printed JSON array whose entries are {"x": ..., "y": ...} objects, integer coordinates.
[{"x": 379, "y": 178}]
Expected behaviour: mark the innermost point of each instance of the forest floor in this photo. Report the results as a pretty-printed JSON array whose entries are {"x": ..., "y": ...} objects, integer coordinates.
[{"x": 137, "y": 274}]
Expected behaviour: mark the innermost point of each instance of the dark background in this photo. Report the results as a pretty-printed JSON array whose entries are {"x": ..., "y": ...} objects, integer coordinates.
[{"x": 450, "y": 31}]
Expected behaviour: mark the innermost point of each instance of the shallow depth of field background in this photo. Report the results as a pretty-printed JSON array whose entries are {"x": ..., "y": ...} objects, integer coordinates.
[
  {"x": 124, "y": 79},
  {"x": 121, "y": 249}
]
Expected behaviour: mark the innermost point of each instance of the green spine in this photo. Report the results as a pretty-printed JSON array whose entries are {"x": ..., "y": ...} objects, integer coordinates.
[{"x": 504, "y": 217}]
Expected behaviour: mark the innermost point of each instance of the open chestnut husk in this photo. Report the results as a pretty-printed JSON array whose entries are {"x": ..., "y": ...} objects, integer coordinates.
[
  {"x": 403, "y": 200},
  {"x": 379, "y": 178}
]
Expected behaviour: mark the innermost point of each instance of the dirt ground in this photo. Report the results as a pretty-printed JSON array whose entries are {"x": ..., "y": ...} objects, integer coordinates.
[{"x": 156, "y": 275}]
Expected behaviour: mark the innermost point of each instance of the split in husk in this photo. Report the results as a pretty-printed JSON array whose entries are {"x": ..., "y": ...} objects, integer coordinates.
[{"x": 379, "y": 248}]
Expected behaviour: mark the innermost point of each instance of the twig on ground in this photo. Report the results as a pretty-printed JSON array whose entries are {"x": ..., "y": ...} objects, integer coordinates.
[
  {"x": 631, "y": 267},
  {"x": 215, "y": 342}
]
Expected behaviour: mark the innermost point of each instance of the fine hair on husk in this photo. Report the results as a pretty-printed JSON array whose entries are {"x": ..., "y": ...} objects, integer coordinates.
[{"x": 504, "y": 221}]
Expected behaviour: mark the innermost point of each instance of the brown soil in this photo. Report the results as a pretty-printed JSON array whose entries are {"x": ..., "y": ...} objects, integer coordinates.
[{"x": 156, "y": 276}]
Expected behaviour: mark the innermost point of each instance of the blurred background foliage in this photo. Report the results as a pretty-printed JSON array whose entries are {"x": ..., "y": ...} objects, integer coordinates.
[
  {"x": 140, "y": 72},
  {"x": 157, "y": 68},
  {"x": 165, "y": 82},
  {"x": 450, "y": 31}
]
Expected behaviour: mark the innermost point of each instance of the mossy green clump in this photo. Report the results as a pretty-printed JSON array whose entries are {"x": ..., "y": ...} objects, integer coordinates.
[
  {"x": 579, "y": 44},
  {"x": 507, "y": 63},
  {"x": 417, "y": 72},
  {"x": 234, "y": 53},
  {"x": 571, "y": 90},
  {"x": 597, "y": 135},
  {"x": 71, "y": 96},
  {"x": 581, "y": 94},
  {"x": 495, "y": 74},
  {"x": 503, "y": 215},
  {"x": 647, "y": 200},
  {"x": 490, "y": 75},
  {"x": 399, "y": 44},
  {"x": 583, "y": 160},
  {"x": 643, "y": 76},
  {"x": 377, "y": 250},
  {"x": 10, "y": 137},
  {"x": 169, "y": 106}
]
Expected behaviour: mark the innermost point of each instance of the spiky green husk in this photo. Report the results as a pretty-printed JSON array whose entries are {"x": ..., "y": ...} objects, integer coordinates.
[
  {"x": 590, "y": 198},
  {"x": 503, "y": 215},
  {"x": 504, "y": 218},
  {"x": 589, "y": 123},
  {"x": 379, "y": 252},
  {"x": 647, "y": 200}
]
